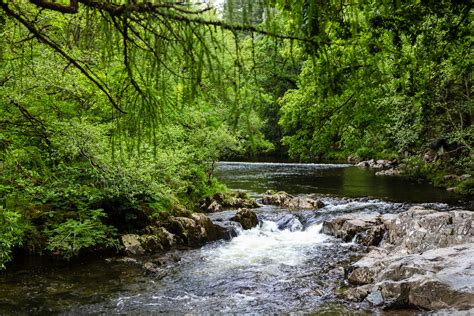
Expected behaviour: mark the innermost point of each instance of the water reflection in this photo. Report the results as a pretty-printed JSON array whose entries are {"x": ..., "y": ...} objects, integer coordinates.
[{"x": 334, "y": 179}]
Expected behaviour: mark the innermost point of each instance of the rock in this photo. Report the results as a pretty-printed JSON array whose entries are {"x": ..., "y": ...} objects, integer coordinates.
[
  {"x": 293, "y": 202},
  {"x": 437, "y": 279},
  {"x": 153, "y": 269},
  {"x": 238, "y": 202},
  {"x": 356, "y": 294},
  {"x": 389, "y": 172},
  {"x": 353, "y": 159},
  {"x": 219, "y": 201},
  {"x": 228, "y": 229},
  {"x": 167, "y": 259},
  {"x": 213, "y": 232},
  {"x": 375, "y": 298},
  {"x": 124, "y": 260},
  {"x": 210, "y": 206},
  {"x": 247, "y": 218},
  {"x": 420, "y": 229},
  {"x": 214, "y": 207},
  {"x": 451, "y": 177},
  {"x": 366, "y": 229},
  {"x": 380, "y": 165},
  {"x": 196, "y": 230},
  {"x": 289, "y": 222},
  {"x": 425, "y": 260},
  {"x": 361, "y": 276},
  {"x": 187, "y": 231},
  {"x": 132, "y": 244}
]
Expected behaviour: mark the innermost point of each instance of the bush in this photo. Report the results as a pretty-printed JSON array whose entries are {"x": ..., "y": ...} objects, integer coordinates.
[
  {"x": 70, "y": 237},
  {"x": 12, "y": 231}
]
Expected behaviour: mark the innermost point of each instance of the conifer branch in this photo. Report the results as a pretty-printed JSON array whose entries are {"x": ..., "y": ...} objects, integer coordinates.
[{"x": 44, "y": 39}]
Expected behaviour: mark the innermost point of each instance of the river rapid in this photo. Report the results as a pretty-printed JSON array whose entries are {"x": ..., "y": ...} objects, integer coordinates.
[{"x": 285, "y": 265}]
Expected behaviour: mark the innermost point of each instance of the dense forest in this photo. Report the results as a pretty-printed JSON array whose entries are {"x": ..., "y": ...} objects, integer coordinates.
[{"x": 113, "y": 114}]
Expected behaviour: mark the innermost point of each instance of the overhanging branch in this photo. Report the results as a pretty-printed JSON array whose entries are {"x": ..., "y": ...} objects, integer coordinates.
[{"x": 42, "y": 38}]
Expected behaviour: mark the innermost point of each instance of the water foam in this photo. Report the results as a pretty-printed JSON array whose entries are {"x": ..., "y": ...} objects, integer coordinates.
[{"x": 266, "y": 245}]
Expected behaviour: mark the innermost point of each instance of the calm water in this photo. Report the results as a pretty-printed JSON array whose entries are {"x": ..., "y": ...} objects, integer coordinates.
[
  {"x": 334, "y": 179},
  {"x": 284, "y": 265}
]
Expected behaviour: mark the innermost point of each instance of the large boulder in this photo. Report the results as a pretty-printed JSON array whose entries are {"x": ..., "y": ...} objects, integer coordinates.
[
  {"x": 195, "y": 230},
  {"x": 154, "y": 239},
  {"x": 436, "y": 279},
  {"x": 292, "y": 202},
  {"x": 247, "y": 218},
  {"x": 425, "y": 258},
  {"x": 367, "y": 229},
  {"x": 420, "y": 229}
]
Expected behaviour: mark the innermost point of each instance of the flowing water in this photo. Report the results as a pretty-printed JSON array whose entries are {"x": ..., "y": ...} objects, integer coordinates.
[{"x": 284, "y": 265}]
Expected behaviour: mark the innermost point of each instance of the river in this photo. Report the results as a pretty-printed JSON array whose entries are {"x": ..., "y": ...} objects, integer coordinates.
[{"x": 284, "y": 265}]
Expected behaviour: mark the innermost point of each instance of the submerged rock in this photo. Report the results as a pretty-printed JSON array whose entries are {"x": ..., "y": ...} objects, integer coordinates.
[
  {"x": 292, "y": 202},
  {"x": 425, "y": 258},
  {"x": 247, "y": 218}
]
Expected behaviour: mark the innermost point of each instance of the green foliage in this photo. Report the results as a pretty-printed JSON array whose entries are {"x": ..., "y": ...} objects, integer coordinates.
[
  {"x": 12, "y": 231},
  {"x": 378, "y": 79},
  {"x": 72, "y": 236},
  {"x": 386, "y": 79}
]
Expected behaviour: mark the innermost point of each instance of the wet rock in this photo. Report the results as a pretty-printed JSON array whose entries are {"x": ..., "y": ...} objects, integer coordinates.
[
  {"x": 153, "y": 240},
  {"x": 132, "y": 244},
  {"x": 293, "y": 202},
  {"x": 167, "y": 259},
  {"x": 213, "y": 231},
  {"x": 228, "y": 229},
  {"x": 123, "y": 260},
  {"x": 239, "y": 202},
  {"x": 367, "y": 229},
  {"x": 247, "y": 218},
  {"x": 155, "y": 270},
  {"x": 375, "y": 298},
  {"x": 290, "y": 222}
]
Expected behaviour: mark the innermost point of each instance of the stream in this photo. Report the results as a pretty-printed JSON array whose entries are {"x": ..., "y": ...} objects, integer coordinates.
[{"x": 284, "y": 265}]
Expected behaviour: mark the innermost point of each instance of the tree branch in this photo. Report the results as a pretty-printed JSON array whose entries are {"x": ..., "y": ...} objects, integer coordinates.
[{"x": 54, "y": 46}]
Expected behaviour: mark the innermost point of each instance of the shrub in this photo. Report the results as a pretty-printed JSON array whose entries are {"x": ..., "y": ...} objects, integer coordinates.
[
  {"x": 70, "y": 237},
  {"x": 12, "y": 230}
]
